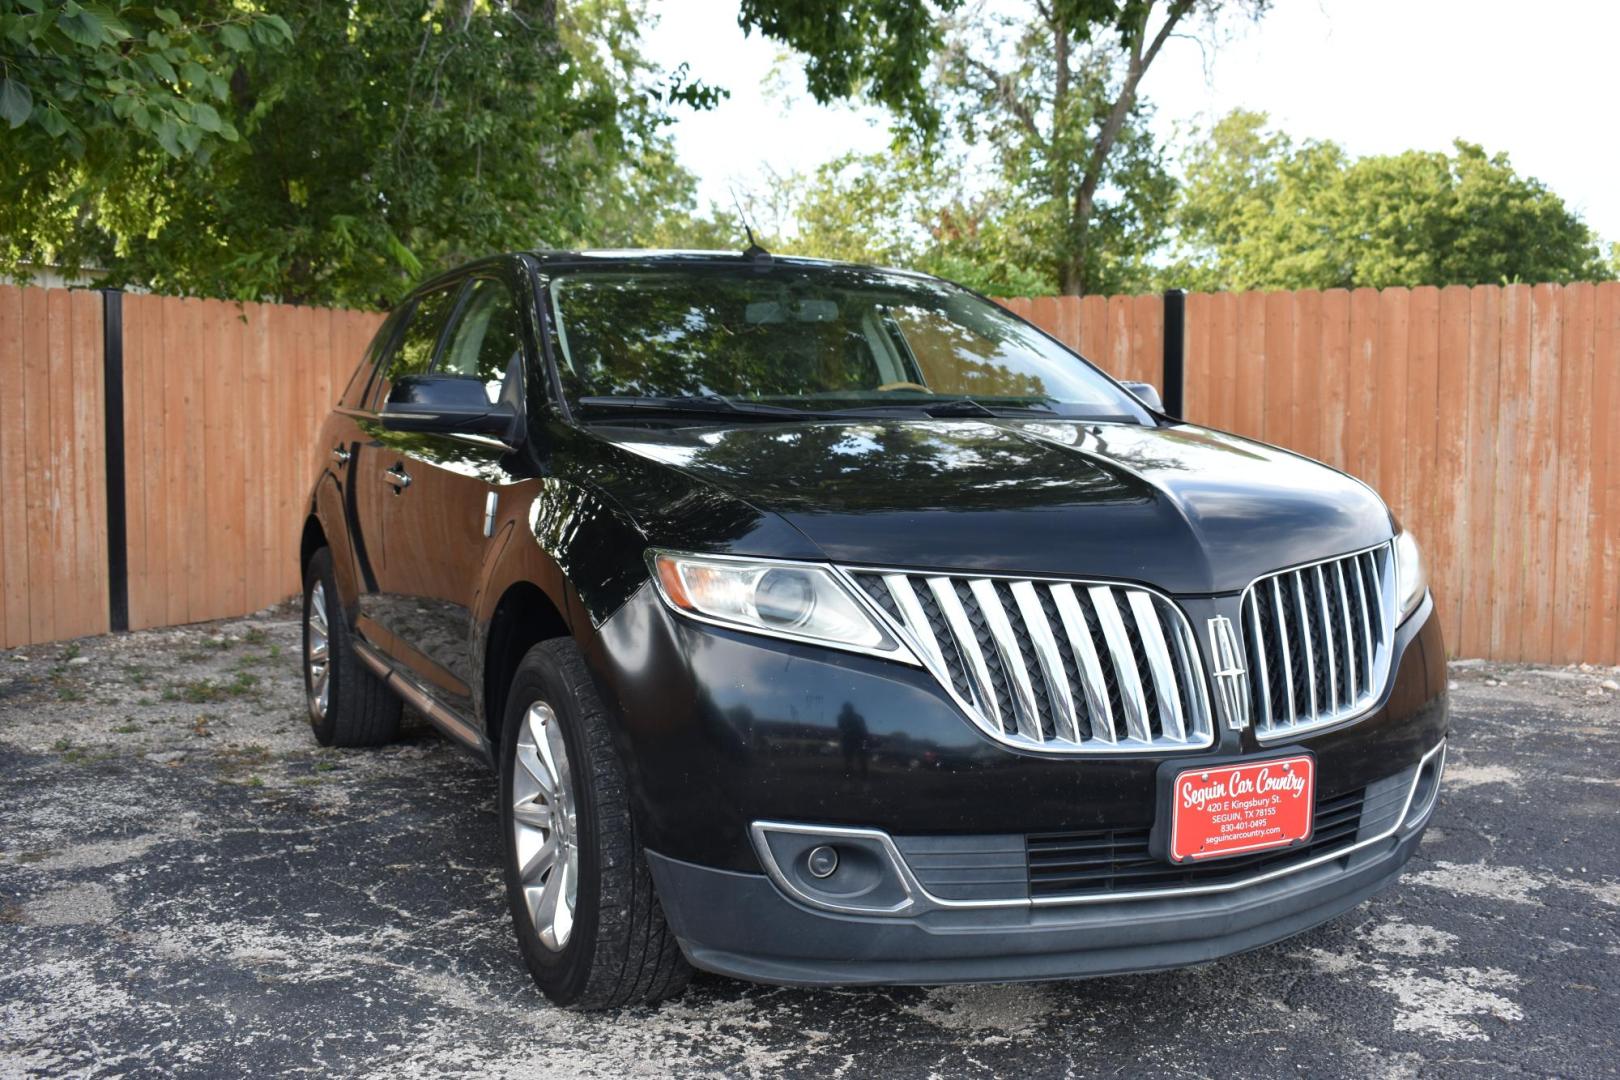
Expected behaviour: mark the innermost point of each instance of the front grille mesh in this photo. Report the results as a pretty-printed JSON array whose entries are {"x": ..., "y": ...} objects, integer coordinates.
[
  {"x": 1055, "y": 665},
  {"x": 1103, "y": 864},
  {"x": 1082, "y": 864},
  {"x": 1319, "y": 641}
]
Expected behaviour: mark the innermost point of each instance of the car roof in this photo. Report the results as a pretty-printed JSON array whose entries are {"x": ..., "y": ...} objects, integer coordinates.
[
  {"x": 681, "y": 257},
  {"x": 643, "y": 258}
]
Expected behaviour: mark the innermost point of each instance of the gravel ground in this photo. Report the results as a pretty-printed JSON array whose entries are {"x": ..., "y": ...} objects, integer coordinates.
[{"x": 189, "y": 886}]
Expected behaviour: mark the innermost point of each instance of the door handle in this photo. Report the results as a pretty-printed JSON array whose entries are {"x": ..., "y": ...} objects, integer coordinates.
[
  {"x": 340, "y": 455},
  {"x": 398, "y": 478}
]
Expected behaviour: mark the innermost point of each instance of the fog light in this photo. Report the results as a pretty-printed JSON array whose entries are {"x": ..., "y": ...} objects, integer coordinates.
[
  {"x": 823, "y": 861},
  {"x": 837, "y": 867}
]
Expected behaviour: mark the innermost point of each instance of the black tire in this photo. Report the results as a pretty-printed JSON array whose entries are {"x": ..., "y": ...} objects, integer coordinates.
[
  {"x": 360, "y": 710},
  {"x": 619, "y": 951}
]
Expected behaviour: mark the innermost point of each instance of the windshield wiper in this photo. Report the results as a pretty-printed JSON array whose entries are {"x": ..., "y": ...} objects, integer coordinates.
[
  {"x": 955, "y": 407},
  {"x": 693, "y": 404}
]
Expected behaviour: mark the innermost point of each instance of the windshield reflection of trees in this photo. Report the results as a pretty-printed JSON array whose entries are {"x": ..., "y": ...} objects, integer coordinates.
[{"x": 793, "y": 333}]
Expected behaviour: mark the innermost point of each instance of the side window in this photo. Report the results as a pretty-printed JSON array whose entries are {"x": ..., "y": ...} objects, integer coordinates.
[
  {"x": 413, "y": 351},
  {"x": 354, "y": 396},
  {"x": 485, "y": 339}
]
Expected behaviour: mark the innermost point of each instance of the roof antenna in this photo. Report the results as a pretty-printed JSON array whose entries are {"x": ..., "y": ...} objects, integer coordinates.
[{"x": 753, "y": 252}]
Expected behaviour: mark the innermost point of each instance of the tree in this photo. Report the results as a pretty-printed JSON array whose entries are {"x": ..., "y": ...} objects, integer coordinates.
[
  {"x": 397, "y": 137},
  {"x": 96, "y": 81},
  {"x": 1259, "y": 211},
  {"x": 1051, "y": 87},
  {"x": 906, "y": 208},
  {"x": 878, "y": 48}
]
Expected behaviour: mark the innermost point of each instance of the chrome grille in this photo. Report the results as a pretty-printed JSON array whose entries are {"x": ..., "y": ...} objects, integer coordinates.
[
  {"x": 1060, "y": 666},
  {"x": 1319, "y": 640}
]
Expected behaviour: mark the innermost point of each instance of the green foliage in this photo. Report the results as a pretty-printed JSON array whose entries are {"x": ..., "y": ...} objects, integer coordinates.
[
  {"x": 96, "y": 81},
  {"x": 878, "y": 48},
  {"x": 1259, "y": 211},
  {"x": 1078, "y": 198},
  {"x": 397, "y": 137},
  {"x": 906, "y": 208}
]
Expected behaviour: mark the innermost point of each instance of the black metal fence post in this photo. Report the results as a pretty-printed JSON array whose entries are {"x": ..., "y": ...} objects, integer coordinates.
[
  {"x": 112, "y": 369},
  {"x": 1175, "y": 351}
]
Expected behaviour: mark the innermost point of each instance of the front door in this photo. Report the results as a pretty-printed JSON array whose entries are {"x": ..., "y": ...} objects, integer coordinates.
[
  {"x": 438, "y": 524},
  {"x": 377, "y": 464}
]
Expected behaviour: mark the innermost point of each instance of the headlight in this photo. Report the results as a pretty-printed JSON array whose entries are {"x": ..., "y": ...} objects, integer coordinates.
[
  {"x": 1411, "y": 579},
  {"x": 799, "y": 601}
]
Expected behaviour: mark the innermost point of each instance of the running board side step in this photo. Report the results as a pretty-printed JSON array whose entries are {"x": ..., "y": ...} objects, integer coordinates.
[{"x": 414, "y": 696}]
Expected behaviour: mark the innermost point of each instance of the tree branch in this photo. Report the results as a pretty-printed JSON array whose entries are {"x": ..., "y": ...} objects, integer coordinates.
[
  {"x": 1121, "y": 108},
  {"x": 1005, "y": 88}
]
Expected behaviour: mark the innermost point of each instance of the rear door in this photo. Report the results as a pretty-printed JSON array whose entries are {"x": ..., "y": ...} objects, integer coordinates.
[{"x": 439, "y": 525}]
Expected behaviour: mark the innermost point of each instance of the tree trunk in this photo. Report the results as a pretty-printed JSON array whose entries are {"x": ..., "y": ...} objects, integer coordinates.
[{"x": 1072, "y": 269}]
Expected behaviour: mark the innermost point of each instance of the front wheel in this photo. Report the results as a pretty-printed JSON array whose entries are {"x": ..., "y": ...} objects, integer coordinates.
[{"x": 587, "y": 919}]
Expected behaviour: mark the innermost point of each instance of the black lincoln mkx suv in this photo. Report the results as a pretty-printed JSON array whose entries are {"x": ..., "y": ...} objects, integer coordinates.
[{"x": 832, "y": 625}]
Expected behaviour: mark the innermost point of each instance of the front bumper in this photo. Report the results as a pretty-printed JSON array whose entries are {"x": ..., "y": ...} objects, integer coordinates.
[
  {"x": 720, "y": 730},
  {"x": 747, "y": 926}
]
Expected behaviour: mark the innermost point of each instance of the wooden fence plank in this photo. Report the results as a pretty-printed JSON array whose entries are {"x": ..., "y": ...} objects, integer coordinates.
[
  {"x": 1065, "y": 326},
  {"x": 1475, "y": 529},
  {"x": 1249, "y": 409},
  {"x": 256, "y": 445},
  {"x": 1361, "y": 394},
  {"x": 41, "y": 474},
  {"x": 89, "y": 452},
  {"x": 1094, "y": 329},
  {"x": 1043, "y": 313},
  {"x": 1603, "y": 519},
  {"x": 1307, "y": 401},
  {"x": 1394, "y": 307},
  {"x": 14, "y": 466},
  {"x": 1511, "y": 533},
  {"x": 149, "y": 606},
  {"x": 1147, "y": 340},
  {"x": 1421, "y": 424},
  {"x": 1277, "y": 420},
  {"x": 65, "y": 479},
  {"x": 1335, "y": 380},
  {"x": 1449, "y": 494},
  {"x": 1574, "y": 490},
  {"x": 1546, "y": 336},
  {"x": 1224, "y": 350},
  {"x": 1198, "y": 383},
  {"x": 175, "y": 504}
]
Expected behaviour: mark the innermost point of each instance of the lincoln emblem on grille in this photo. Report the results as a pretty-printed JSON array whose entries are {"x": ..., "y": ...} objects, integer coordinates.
[{"x": 1231, "y": 689}]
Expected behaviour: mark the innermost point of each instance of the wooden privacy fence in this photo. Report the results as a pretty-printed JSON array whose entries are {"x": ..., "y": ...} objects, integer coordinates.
[
  {"x": 1485, "y": 415},
  {"x": 221, "y": 403}
]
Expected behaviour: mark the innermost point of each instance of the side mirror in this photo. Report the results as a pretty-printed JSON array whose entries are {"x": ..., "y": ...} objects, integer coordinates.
[
  {"x": 1146, "y": 394},
  {"x": 448, "y": 405}
]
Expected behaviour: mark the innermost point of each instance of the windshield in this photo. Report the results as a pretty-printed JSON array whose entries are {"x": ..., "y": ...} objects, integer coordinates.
[{"x": 816, "y": 339}]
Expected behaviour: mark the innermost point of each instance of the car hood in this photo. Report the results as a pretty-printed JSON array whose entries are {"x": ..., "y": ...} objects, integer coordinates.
[{"x": 1183, "y": 508}]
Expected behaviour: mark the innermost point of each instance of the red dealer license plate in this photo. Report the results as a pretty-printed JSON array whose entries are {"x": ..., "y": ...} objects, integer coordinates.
[{"x": 1238, "y": 809}]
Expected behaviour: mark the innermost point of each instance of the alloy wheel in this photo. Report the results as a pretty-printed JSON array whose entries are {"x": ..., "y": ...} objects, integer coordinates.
[
  {"x": 318, "y": 653},
  {"x": 544, "y": 833}
]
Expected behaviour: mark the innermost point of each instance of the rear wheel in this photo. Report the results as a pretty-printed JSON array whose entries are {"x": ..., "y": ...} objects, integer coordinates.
[
  {"x": 348, "y": 704},
  {"x": 588, "y": 922}
]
